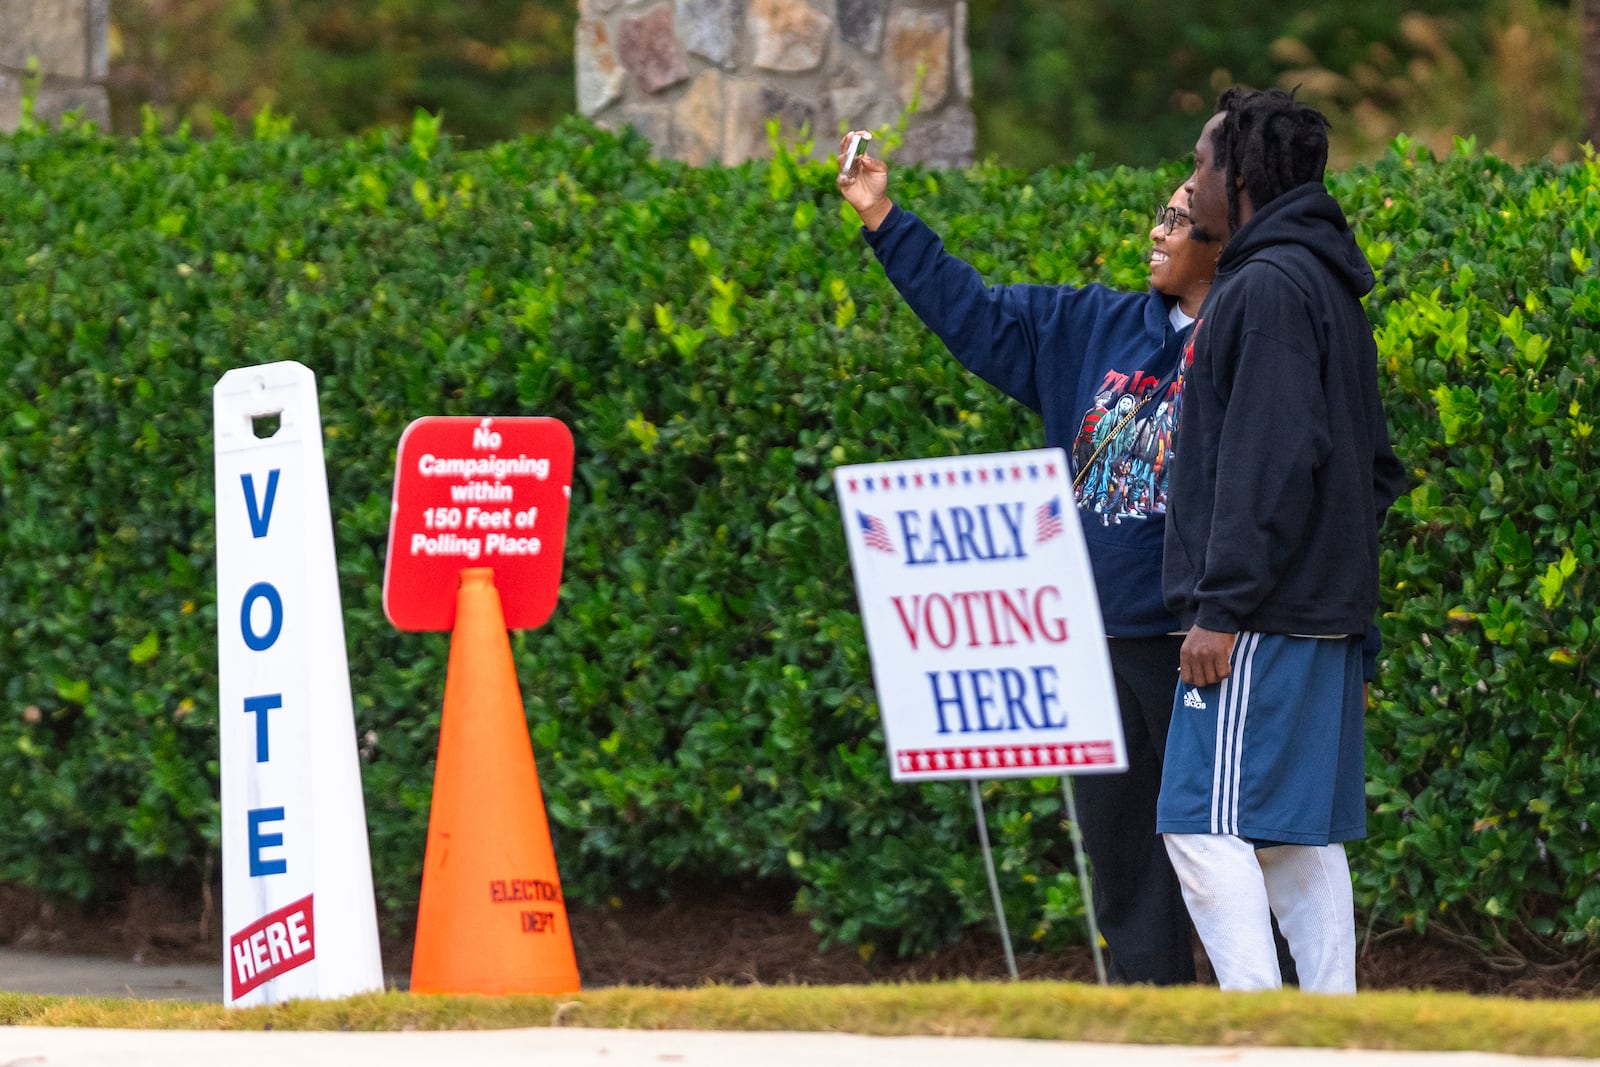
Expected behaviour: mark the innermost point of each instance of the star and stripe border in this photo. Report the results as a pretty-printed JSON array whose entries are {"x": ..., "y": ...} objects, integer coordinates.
[
  {"x": 1043, "y": 757},
  {"x": 952, "y": 477}
]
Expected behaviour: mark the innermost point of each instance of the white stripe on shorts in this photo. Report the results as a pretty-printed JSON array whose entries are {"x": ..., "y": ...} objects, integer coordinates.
[{"x": 1234, "y": 697}]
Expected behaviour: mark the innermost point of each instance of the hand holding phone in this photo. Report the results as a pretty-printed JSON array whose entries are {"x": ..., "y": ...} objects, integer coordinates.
[
  {"x": 864, "y": 181},
  {"x": 847, "y": 166}
]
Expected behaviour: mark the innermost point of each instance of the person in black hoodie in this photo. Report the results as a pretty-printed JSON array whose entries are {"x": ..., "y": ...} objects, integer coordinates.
[
  {"x": 1102, "y": 367},
  {"x": 1282, "y": 470}
]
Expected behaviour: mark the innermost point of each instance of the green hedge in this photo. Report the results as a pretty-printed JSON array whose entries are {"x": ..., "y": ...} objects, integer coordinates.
[{"x": 719, "y": 339}]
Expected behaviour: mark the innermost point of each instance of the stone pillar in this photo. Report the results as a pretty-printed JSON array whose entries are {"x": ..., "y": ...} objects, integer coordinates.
[
  {"x": 700, "y": 78},
  {"x": 70, "y": 39}
]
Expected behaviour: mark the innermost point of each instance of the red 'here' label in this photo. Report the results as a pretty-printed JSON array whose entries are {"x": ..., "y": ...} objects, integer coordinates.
[{"x": 272, "y": 946}]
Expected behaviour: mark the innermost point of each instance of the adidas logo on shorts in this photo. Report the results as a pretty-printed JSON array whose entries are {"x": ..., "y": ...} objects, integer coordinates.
[{"x": 1191, "y": 699}]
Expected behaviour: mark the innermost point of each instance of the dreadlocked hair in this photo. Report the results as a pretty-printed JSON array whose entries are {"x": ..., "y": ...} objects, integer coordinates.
[{"x": 1270, "y": 140}]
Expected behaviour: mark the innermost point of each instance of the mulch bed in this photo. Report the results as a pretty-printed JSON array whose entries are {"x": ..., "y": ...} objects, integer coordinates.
[{"x": 728, "y": 936}]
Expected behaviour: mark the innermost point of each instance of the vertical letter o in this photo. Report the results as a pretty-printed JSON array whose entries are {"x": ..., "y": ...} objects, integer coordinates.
[{"x": 261, "y": 642}]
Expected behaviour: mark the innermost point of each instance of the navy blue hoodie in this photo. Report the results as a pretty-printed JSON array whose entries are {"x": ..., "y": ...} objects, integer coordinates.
[
  {"x": 1100, "y": 366},
  {"x": 1283, "y": 468}
]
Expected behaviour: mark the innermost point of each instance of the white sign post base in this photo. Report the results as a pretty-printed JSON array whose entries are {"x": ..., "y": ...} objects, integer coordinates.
[{"x": 297, "y": 901}]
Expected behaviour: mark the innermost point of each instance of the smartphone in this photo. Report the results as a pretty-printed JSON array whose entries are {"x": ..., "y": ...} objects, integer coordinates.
[{"x": 849, "y": 163}]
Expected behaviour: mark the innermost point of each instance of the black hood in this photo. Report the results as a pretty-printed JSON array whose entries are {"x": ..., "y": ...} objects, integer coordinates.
[{"x": 1312, "y": 219}]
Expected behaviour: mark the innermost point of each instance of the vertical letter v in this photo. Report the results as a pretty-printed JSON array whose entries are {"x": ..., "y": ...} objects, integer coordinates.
[{"x": 260, "y": 518}]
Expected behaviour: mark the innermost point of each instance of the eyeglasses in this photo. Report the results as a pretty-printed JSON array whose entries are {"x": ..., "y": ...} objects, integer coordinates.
[{"x": 1170, "y": 218}]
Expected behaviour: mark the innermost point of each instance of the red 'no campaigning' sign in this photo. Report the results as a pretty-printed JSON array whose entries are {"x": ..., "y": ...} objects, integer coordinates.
[{"x": 478, "y": 492}]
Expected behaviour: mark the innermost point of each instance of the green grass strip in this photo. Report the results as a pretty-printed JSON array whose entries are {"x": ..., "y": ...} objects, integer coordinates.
[{"x": 1039, "y": 1010}]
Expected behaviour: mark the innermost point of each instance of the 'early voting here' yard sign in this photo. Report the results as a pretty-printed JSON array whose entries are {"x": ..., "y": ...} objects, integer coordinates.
[{"x": 988, "y": 651}]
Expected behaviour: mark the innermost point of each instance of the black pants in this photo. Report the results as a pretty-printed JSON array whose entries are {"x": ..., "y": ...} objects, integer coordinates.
[{"x": 1137, "y": 901}]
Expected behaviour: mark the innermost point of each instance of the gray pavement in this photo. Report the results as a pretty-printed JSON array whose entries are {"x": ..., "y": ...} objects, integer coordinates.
[
  {"x": 35, "y": 972},
  {"x": 573, "y": 1047},
  {"x": 22, "y": 971}
]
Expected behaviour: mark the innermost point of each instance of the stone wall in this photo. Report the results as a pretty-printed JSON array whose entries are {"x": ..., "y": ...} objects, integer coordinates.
[
  {"x": 70, "y": 39},
  {"x": 700, "y": 78}
]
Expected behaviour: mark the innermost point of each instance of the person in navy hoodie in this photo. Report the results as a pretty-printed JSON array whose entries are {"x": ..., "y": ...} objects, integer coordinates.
[{"x": 1103, "y": 368}]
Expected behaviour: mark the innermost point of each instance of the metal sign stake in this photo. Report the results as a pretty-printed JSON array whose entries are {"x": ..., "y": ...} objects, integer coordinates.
[
  {"x": 994, "y": 883},
  {"x": 1083, "y": 879}
]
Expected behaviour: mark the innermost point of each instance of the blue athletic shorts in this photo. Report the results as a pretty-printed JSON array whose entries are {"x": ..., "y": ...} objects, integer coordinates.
[{"x": 1273, "y": 753}]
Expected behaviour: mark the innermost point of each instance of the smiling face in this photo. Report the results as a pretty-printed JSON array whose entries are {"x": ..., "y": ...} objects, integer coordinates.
[{"x": 1181, "y": 265}]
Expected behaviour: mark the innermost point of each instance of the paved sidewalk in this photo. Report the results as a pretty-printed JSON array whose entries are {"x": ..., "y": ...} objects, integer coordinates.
[
  {"x": 23, "y": 971},
  {"x": 572, "y": 1047}
]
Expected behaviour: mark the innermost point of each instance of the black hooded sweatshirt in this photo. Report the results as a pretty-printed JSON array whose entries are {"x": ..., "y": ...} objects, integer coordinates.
[{"x": 1282, "y": 468}]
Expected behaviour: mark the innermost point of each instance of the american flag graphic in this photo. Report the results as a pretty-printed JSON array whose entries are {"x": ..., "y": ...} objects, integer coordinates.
[
  {"x": 874, "y": 532},
  {"x": 1048, "y": 521}
]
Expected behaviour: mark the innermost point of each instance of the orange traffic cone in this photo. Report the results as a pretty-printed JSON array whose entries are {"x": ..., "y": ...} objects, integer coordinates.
[{"x": 491, "y": 918}]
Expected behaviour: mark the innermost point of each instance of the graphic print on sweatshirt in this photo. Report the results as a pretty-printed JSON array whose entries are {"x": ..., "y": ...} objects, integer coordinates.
[{"x": 1124, "y": 445}]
